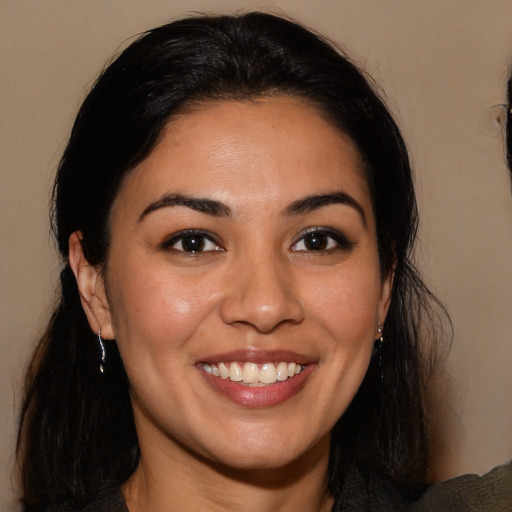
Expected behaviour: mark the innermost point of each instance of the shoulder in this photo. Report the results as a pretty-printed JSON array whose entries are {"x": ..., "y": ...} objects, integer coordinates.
[
  {"x": 109, "y": 500},
  {"x": 491, "y": 492},
  {"x": 486, "y": 493}
]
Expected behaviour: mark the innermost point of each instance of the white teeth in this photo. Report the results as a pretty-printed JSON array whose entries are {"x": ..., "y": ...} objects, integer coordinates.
[
  {"x": 235, "y": 372},
  {"x": 253, "y": 374},
  {"x": 224, "y": 372},
  {"x": 268, "y": 373},
  {"x": 282, "y": 371}
]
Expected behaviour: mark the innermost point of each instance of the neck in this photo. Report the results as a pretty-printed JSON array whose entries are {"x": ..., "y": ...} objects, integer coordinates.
[{"x": 178, "y": 480}]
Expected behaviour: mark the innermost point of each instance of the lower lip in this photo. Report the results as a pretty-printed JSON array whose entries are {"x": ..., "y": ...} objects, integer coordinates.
[{"x": 259, "y": 396}]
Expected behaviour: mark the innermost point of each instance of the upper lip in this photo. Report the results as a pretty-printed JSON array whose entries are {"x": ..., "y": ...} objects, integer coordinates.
[{"x": 257, "y": 356}]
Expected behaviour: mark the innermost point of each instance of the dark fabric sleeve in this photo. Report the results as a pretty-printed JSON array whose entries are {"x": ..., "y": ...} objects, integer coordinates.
[{"x": 491, "y": 492}]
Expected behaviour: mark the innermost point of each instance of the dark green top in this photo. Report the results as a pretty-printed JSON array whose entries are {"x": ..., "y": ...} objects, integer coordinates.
[{"x": 491, "y": 492}]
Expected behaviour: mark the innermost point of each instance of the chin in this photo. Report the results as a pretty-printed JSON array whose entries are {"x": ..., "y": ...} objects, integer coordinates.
[{"x": 258, "y": 453}]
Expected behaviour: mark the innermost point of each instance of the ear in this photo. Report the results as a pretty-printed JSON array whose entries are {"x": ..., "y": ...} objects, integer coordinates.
[
  {"x": 91, "y": 287},
  {"x": 385, "y": 294}
]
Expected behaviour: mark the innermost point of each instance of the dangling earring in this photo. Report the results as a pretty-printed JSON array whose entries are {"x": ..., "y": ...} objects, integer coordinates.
[
  {"x": 379, "y": 347},
  {"x": 102, "y": 349}
]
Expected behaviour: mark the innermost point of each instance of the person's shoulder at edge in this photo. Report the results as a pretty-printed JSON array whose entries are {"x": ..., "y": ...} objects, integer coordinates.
[{"x": 489, "y": 492}]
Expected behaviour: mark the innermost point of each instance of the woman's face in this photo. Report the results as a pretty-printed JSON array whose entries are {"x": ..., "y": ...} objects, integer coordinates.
[{"x": 243, "y": 283}]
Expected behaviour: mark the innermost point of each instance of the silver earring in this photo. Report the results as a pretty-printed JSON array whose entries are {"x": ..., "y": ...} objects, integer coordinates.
[
  {"x": 380, "y": 343},
  {"x": 102, "y": 349}
]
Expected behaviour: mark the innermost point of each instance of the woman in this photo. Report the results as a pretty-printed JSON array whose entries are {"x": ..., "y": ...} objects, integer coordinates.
[{"x": 241, "y": 325}]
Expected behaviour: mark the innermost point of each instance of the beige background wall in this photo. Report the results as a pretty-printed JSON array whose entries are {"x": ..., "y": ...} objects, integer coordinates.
[{"x": 441, "y": 63}]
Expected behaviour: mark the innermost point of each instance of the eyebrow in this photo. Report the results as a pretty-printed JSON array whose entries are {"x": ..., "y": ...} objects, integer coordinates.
[
  {"x": 203, "y": 205},
  {"x": 314, "y": 202},
  {"x": 219, "y": 209}
]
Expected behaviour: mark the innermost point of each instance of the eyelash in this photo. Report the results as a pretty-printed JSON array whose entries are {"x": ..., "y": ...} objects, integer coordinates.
[
  {"x": 182, "y": 236},
  {"x": 329, "y": 240},
  {"x": 338, "y": 241}
]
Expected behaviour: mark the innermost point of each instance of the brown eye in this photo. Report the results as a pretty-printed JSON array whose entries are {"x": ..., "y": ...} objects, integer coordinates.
[
  {"x": 318, "y": 240},
  {"x": 315, "y": 241},
  {"x": 191, "y": 242}
]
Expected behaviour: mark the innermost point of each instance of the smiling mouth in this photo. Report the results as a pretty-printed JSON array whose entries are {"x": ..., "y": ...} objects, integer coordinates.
[{"x": 252, "y": 374}]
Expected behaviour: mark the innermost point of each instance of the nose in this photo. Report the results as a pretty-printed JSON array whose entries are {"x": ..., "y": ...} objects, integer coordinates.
[{"x": 262, "y": 294}]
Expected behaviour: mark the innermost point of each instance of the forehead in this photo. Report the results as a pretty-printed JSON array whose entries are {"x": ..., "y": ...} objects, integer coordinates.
[{"x": 268, "y": 150}]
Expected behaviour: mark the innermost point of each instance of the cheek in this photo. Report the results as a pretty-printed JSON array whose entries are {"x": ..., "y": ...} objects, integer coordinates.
[
  {"x": 347, "y": 303},
  {"x": 346, "y": 307},
  {"x": 157, "y": 315}
]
